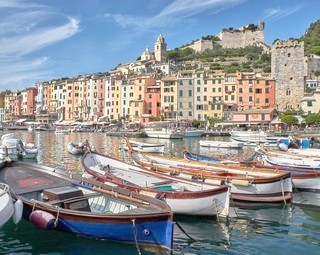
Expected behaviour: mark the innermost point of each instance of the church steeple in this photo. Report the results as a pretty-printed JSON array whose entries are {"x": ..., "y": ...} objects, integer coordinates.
[{"x": 160, "y": 49}]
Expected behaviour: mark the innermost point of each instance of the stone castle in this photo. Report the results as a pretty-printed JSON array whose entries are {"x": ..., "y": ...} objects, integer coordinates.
[
  {"x": 242, "y": 37},
  {"x": 235, "y": 38}
]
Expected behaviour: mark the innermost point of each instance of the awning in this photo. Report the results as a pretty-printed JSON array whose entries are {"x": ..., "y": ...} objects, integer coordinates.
[{"x": 21, "y": 120}]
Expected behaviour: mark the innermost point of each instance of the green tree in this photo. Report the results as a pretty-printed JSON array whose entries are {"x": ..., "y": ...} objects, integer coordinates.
[{"x": 289, "y": 120}]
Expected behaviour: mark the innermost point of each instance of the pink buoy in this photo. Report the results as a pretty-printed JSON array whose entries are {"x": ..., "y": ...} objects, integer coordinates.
[{"x": 42, "y": 219}]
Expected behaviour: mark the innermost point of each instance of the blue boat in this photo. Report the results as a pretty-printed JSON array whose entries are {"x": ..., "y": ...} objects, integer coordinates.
[{"x": 55, "y": 200}]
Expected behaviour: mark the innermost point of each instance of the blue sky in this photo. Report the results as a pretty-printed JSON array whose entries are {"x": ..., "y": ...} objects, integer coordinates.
[{"x": 43, "y": 40}]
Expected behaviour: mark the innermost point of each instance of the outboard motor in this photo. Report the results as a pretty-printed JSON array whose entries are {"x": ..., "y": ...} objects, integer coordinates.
[{"x": 283, "y": 147}]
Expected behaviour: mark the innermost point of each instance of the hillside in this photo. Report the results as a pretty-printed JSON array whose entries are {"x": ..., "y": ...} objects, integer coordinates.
[
  {"x": 248, "y": 59},
  {"x": 311, "y": 39}
]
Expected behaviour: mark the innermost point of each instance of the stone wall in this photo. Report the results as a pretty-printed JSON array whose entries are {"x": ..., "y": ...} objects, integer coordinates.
[
  {"x": 202, "y": 45},
  {"x": 241, "y": 37},
  {"x": 287, "y": 68},
  {"x": 312, "y": 64}
]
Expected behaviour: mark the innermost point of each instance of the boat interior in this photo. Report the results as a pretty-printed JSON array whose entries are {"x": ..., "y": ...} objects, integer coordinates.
[{"x": 45, "y": 189}]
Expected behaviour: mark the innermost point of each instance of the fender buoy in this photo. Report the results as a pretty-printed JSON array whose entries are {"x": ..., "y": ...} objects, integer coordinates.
[
  {"x": 42, "y": 219},
  {"x": 18, "y": 210}
]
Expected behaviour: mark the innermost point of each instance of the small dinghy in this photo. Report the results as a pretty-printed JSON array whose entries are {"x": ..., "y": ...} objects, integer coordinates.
[{"x": 76, "y": 148}]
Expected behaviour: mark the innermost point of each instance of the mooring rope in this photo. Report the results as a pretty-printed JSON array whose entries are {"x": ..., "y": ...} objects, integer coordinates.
[
  {"x": 135, "y": 236},
  {"x": 183, "y": 231}
]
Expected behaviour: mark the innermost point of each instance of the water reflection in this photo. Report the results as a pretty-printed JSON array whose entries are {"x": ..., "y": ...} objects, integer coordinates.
[{"x": 263, "y": 229}]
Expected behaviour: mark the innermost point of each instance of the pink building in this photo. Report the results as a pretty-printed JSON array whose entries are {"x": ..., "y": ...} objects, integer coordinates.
[
  {"x": 254, "y": 116},
  {"x": 152, "y": 107}
]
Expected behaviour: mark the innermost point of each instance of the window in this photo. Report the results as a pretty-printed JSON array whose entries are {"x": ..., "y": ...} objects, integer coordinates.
[
  {"x": 198, "y": 89},
  {"x": 180, "y": 93},
  {"x": 180, "y": 82},
  {"x": 250, "y": 99},
  {"x": 198, "y": 75},
  {"x": 190, "y": 82},
  {"x": 150, "y": 95},
  {"x": 205, "y": 89},
  {"x": 309, "y": 103},
  {"x": 250, "y": 90},
  {"x": 240, "y": 90},
  {"x": 190, "y": 113},
  {"x": 198, "y": 98},
  {"x": 232, "y": 97},
  {"x": 258, "y": 91},
  {"x": 226, "y": 97},
  {"x": 240, "y": 99},
  {"x": 288, "y": 92},
  {"x": 190, "y": 93},
  {"x": 198, "y": 82},
  {"x": 205, "y": 98},
  {"x": 267, "y": 90}
]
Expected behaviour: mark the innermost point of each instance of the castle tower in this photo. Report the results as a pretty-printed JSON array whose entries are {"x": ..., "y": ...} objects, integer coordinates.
[
  {"x": 160, "y": 49},
  {"x": 287, "y": 67}
]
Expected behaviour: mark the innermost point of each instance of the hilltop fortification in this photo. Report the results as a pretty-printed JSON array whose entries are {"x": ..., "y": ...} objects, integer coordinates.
[{"x": 242, "y": 37}]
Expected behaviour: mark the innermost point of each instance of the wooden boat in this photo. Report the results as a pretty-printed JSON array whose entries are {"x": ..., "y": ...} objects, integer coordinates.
[
  {"x": 221, "y": 144},
  {"x": 202, "y": 158},
  {"x": 246, "y": 185},
  {"x": 302, "y": 179},
  {"x": 301, "y": 153},
  {"x": 76, "y": 148},
  {"x": 143, "y": 147},
  {"x": 297, "y": 162},
  {"x": 6, "y": 204},
  {"x": 183, "y": 196},
  {"x": 55, "y": 199}
]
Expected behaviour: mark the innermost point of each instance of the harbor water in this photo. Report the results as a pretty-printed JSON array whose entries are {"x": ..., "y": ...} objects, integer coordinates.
[{"x": 251, "y": 229}]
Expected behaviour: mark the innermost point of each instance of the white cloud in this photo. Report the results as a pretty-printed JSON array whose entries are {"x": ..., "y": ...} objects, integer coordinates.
[
  {"x": 26, "y": 28},
  {"x": 177, "y": 11},
  {"x": 272, "y": 14}
]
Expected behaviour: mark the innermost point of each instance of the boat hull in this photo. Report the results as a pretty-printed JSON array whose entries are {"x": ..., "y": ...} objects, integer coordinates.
[
  {"x": 206, "y": 201},
  {"x": 128, "y": 230},
  {"x": 270, "y": 189},
  {"x": 6, "y": 204}
]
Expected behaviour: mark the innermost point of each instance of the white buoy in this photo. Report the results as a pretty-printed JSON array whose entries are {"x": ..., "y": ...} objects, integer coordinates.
[{"x": 18, "y": 210}]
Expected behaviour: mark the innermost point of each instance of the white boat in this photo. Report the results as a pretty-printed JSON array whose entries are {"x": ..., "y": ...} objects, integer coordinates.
[
  {"x": 296, "y": 162},
  {"x": 193, "y": 132},
  {"x": 246, "y": 184},
  {"x": 6, "y": 204},
  {"x": 76, "y": 148},
  {"x": 221, "y": 144},
  {"x": 14, "y": 148},
  {"x": 62, "y": 130},
  {"x": 143, "y": 147},
  {"x": 163, "y": 129},
  {"x": 183, "y": 196},
  {"x": 253, "y": 138}
]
